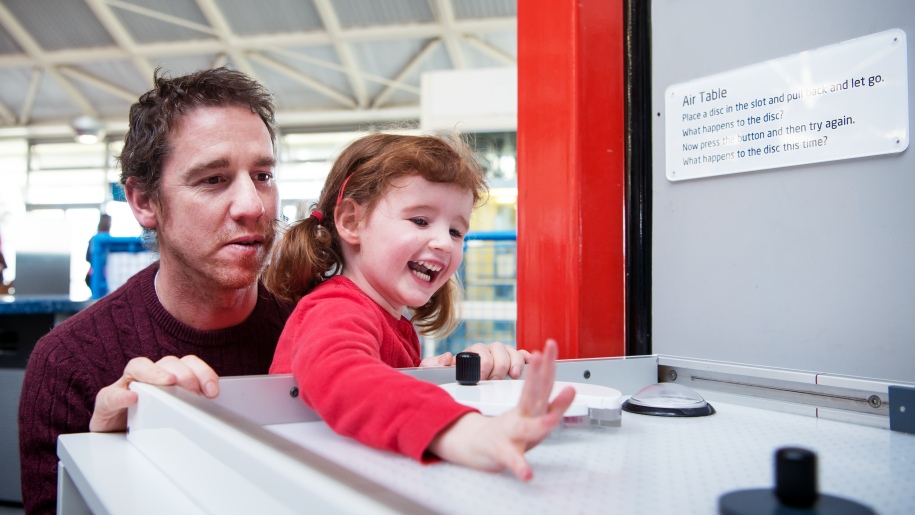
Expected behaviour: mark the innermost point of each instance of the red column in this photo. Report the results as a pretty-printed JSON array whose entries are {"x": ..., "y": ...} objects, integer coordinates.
[{"x": 571, "y": 179}]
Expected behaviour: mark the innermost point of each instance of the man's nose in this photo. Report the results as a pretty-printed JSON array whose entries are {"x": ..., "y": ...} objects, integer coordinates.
[{"x": 246, "y": 201}]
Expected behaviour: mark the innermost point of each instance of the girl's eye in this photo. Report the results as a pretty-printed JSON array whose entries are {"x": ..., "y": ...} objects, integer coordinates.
[
  {"x": 457, "y": 234},
  {"x": 420, "y": 222}
]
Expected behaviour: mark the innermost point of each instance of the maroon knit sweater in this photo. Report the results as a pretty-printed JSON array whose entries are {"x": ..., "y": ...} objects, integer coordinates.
[{"x": 90, "y": 350}]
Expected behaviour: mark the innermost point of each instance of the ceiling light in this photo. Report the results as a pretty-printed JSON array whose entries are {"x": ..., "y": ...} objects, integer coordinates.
[{"x": 88, "y": 129}]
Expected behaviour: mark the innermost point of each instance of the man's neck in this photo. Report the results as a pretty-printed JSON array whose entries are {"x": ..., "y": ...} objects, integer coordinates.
[{"x": 204, "y": 307}]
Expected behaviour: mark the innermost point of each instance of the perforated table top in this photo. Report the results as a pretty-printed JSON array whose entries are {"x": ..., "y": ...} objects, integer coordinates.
[{"x": 650, "y": 465}]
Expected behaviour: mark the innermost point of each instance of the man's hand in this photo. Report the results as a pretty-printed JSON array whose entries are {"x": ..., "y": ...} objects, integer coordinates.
[
  {"x": 442, "y": 360},
  {"x": 496, "y": 443},
  {"x": 111, "y": 403},
  {"x": 498, "y": 360}
]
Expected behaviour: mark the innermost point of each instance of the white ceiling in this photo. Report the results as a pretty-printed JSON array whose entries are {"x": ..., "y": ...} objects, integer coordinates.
[{"x": 328, "y": 62}]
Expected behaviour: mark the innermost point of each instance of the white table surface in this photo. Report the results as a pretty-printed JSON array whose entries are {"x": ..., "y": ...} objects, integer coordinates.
[{"x": 649, "y": 465}]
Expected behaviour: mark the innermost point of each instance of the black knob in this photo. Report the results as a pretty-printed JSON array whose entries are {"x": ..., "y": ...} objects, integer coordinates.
[
  {"x": 468, "y": 368},
  {"x": 796, "y": 477}
]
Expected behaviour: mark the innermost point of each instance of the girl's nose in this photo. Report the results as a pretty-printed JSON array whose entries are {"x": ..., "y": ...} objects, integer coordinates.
[{"x": 442, "y": 241}]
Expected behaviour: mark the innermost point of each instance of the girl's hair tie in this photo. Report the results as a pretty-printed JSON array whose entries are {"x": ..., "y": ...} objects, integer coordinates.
[{"x": 317, "y": 215}]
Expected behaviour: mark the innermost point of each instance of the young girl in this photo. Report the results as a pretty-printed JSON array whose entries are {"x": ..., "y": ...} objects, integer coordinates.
[{"x": 387, "y": 235}]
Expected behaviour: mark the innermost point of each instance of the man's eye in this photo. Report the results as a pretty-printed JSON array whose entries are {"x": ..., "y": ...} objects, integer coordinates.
[
  {"x": 212, "y": 180},
  {"x": 264, "y": 176}
]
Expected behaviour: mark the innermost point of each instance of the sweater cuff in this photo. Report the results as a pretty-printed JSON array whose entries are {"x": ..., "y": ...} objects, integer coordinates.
[{"x": 426, "y": 424}]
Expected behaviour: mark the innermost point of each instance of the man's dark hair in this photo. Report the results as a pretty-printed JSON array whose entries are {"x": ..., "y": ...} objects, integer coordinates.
[{"x": 158, "y": 111}]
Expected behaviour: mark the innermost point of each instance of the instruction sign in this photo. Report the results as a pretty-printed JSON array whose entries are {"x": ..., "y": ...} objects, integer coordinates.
[{"x": 841, "y": 101}]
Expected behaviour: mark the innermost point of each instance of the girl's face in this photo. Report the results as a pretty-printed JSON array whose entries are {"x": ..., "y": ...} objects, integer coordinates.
[{"x": 411, "y": 243}]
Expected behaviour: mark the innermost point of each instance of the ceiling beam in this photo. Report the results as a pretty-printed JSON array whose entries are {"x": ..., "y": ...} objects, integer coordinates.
[
  {"x": 417, "y": 59},
  {"x": 490, "y": 50},
  {"x": 285, "y": 120},
  {"x": 340, "y": 68},
  {"x": 156, "y": 15},
  {"x": 20, "y": 35},
  {"x": 293, "y": 119},
  {"x": 75, "y": 95},
  {"x": 30, "y": 95},
  {"x": 217, "y": 43},
  {"x": 450, "y": 34},
  {"x": 121, "y": 36},
  {"x": 7, "y": 114},
  {"x": 304, "y": 79},
  {"x": 102, "y": 84},
  {"x": 219, "y": 61},
  {"x": 261, "y": 42},
  {"x": 216, "y": 18},
  {"x": 344, "y": 52},
  {"x": 36, "y": 53},
  {"x": 82, "y": 55}
]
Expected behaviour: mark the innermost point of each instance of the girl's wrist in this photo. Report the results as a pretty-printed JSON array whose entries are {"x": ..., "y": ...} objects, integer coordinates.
[{"x": 449, "y": 442}]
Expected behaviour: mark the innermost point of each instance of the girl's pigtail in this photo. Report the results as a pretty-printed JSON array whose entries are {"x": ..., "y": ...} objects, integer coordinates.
[{"x": 303, "y": 257}]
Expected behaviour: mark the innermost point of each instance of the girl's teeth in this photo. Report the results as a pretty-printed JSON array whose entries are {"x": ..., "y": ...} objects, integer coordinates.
[{"x": 430, "y": 266}]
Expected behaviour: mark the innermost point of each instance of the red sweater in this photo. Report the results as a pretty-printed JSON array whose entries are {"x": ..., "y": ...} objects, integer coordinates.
[
  {"x": 90, "y": 350},
  {"x": 341, "y": 347}
]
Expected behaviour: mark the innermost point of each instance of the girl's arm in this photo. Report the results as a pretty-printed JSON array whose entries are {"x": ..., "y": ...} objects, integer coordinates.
[{"x": 496, "y": 443}]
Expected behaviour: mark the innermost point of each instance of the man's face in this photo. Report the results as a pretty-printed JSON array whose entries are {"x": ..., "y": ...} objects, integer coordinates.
[{"x": 218, "y": 198}]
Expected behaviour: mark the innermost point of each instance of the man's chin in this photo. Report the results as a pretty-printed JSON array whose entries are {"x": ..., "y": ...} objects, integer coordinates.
[{"x": 239, "y": 278}]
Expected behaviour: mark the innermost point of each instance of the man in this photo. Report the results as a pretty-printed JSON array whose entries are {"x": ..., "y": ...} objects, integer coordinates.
[
  {"x": 104, "y": 227},
  {"x": 197, "y": 168},
  {"x": 2, "y": 268}
]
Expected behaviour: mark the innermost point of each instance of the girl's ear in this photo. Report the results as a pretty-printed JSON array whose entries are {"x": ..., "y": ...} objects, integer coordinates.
[
  {"x": 142, "y": 205},
  {"x": 347, "y": 218}
]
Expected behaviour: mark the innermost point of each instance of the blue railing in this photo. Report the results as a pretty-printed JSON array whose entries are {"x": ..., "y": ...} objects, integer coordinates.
[
  {"x": 488, "y": 276},
  {"x": 102, "y": 245}
]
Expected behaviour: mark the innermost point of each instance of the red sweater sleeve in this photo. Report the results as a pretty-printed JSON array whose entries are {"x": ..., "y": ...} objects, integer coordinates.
[{"x": 341, "y": 347}]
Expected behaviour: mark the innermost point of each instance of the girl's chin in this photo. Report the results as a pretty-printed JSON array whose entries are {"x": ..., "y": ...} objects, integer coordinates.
[{"x": 419, "y": 302}]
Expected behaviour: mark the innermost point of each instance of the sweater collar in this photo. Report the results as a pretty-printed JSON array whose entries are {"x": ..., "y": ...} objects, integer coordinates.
[{"x": 247, "y": 330}]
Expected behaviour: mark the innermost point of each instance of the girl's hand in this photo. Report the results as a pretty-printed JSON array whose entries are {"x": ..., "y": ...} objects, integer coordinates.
[{"x": 496, "y": 443}]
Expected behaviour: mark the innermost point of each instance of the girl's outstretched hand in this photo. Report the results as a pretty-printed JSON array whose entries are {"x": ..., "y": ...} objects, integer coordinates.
[{"x": 496, "y": 443}]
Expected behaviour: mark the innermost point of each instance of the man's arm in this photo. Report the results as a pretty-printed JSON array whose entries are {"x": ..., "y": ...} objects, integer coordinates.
[{"x": 56, "y": 399}]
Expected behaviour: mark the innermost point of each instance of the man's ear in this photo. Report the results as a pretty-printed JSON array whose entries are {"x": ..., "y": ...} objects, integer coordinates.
[
  {"x": 347, "y": 219},
  {"x": 144, "y": 208}
]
